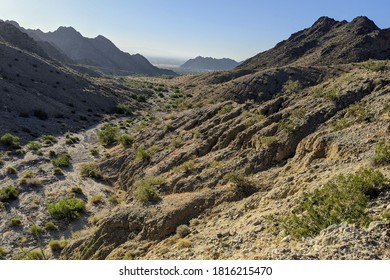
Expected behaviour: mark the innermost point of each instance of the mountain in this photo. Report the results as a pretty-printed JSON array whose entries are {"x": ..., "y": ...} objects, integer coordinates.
[
  {"x": 68, "y": 45},
  {"x": 209, "y": 63},
  {"x": 327, "y": 42}
]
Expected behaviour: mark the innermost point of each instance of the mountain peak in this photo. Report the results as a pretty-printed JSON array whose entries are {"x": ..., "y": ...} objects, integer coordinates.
[
  {"x": 364, "y": 25},
  {"x": 325, "y": 21}
]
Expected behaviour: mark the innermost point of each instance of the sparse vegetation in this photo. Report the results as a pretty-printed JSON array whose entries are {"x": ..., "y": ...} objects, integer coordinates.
[
  {"x": 10, "y": 141},
  {"x": 48, "y": 139},
  {"x": 374, "y": 65},
  {"x": 15, "y": 222},
  {"x": 58, "y": 171},
  {"x": 9, "y": 193},
  {"x": 125, "y": 139},
  {"x": 34, "y": 145},
  {"x": 243, "y": 185},
  {"x": 94, "y": 151},
  {"x": 61, "y": 160},
  {"x": 51, "y": 226},
  {"x": 67, "y": 208},
  {"x": 35, "y": 230},
  {"x": 183, "y": 243},
  {"x": 30, "y": 255},
  {"x": 71, "y": 140},
  {"x": 382, "y": 153},
  {"x": 58, "y": 245},
  {"x": 122, "y": 108},
  {"x": 146, "y": 189},
  {"x": 90, "y": 170},
  {"x": 343, "y": 199},
  {"x": 185, "y": 167},
  {"x": 108, "y": 134},
  {"x": 96, "y": 199},
  {"x": 143, "y": 154},
  {"x": 291, "y": 86},
  {"x": 76, "y": 190},
  {"x": 225, "y": 109},
  {"x": 11, "y": 170},
  {"x": 182, "y": 231}
]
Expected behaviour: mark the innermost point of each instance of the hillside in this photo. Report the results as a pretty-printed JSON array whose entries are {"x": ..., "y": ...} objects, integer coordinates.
[
  {"x": 209, "y": 63},
  {"x": 286, "y": 161},
  {"x": 327, "y": 42},
  {"x": 98, "y": 53}
]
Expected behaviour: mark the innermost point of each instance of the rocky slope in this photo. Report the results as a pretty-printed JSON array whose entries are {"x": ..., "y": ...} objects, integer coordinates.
[
  {"x": 289, "y": 162},
  {"x": 209, "y": 63},
  {"x": 327, "y": 42}
]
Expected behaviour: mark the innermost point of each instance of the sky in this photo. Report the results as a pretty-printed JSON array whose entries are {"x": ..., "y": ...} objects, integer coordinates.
[{"x": 236, "y": 29}]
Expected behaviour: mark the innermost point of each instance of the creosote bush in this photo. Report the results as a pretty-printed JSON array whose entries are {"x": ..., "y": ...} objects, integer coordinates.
[
  {"x": 125, "y": 139},
  {"x": 34, "y": 145},
  {"x": 146, "y": 189},
  {"x": 382, "y": 153},
  {"x": 48, "y": 139},
  {"x": 90, "y": 170},
  {"x": 67, "y": 208},
  {"x": 61, "y": 160},
  {"x": 108, "y": 134},
  {"x": 57, "y": 245},
  {"x": 10, "y": 141},
  {"x": 143, "y": 154},
  {"x": 9, "y": 193},
  {"x": 343, "y": 199}
]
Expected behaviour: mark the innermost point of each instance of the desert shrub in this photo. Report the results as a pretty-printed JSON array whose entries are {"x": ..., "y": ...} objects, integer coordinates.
[
  {"x": 185, "y": 167},
  {"x": 57, "y": 245},
  {"x": 340, "y": 124},
  {"x": 40, "y": 114},
  {"x": 343, "y": 199},
  {"x": 10, "y": 141},
  {"x": 291, "y": 86},
  {"x": 243, "y": 185},
  {"x": 11, "y": 170},
  {"x": 61, "y": 160},
  {"x": 143, "y": 154},
  {"x": 382, "y": 153},
  {"x": 90, "y": 170},
  {"x": 51, "y": 226},
  {"x": 30, "y": 255},
  {"x": 31, "y": 182},
  {"x": 122, "y": 108},
  {"x": 52, "y": 153},
  {"x": 356, "y": 111},
  {"x": 94, "y": 151},
  {"x": 146, "y": 189},
  {"x": 9, "y": 193},
  {"x": 2, "y": 252},
  {"x": 48, "y": 139},
  {"x": 96, "y": 199},
  {"x": 15, "y": 222},
  {"x": 58, "y": 171},
  {"x": 183, "y": 243},
  {"x": 76, "y": 190},
  {"x": 67, "y": 208},
  {"x": 108, "y": 134},
  {"x": 125, "y": 139},
  {"x": 287, "y": 125},
  {"x": 183, "y": 231},
  {"x": 70, "y": 140},
  {"x": 374, "y": 65},
  {"x": 35, "y": 229},
  {"x": 34, "y": 145},
  {"x": 225, "y": 109}
]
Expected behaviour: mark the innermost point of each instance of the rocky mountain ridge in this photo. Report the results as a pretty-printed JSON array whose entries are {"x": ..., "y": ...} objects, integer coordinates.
[{"x": 209, "y": 63}]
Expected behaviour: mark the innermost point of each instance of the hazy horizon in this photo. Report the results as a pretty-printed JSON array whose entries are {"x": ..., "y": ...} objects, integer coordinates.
[{"x": 176, "y": 29}]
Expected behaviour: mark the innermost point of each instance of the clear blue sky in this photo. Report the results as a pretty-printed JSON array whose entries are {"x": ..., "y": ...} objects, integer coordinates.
[{"x": 186, "y": 28}]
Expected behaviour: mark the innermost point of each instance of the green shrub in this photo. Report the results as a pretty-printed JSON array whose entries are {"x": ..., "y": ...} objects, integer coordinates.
[
  {"x": 146, "y": 189},
  {"x": 225, "y": 109},
  {"x": 9, "y": 193},
  {"x": 40, "y": 114},
  {"x": 70, "y": 140},
  {"x": 185, "y": 167},
  {"x": 76, "y": 190},
  {"x": 183, "y": 231},
  {"x": 94, "y": 151},
  {"x": 68, "y": 208},
  {"x": 57, "y": 245},
  {"x": 31, "y": 255},
  {"x": 122, "y": 108},
  {"x": 11, "y": 170},
  {"x": 125, "y": 139},
  {"x": 61, "y": 160},
  {"x": 52, "y": 153},
  {"x": 108, "y": 134},
  {"x": 58, "y": 171},
  {"x": 10, "y": 141},
  {"x": 143, "y": 154},
  {"x": 382, "y": 153},
  {"x": 15, "y": 222},
  {"x": 34, "y": 145},
  {"x": 90, "y": 170},
  {"x": 48, "y": 139},
  {"x": 343, "y": 199},
  {"x": 51, "y": 226},
  {"x": 35, "y": 230}
]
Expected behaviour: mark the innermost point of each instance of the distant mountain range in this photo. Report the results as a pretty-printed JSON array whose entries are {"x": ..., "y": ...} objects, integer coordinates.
[
  {"x": 209, "y": 63},
  {"x": 68, "y": 46}
]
